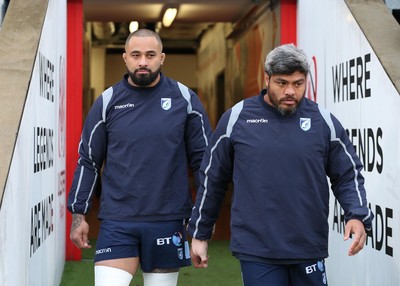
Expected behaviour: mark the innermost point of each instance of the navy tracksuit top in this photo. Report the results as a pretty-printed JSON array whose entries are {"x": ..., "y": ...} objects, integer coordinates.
[
  {"x": 279, "y": 165},
  {"x": 146, "y": 138}
]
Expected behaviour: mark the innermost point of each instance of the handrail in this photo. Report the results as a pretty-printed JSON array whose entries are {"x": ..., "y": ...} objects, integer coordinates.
[
  {"x": 19, "y": 41},
  {"x": 382, "y": 32}
]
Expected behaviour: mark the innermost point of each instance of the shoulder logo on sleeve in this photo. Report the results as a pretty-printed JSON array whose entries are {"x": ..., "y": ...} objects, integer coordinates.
[
  {"x": 166, "y": 103},
  {"x": 305, "y": 123}
]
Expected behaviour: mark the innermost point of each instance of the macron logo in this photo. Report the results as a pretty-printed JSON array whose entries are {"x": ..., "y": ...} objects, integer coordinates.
[
  {"x": 261, "y": 120},
  {"x": 122, "y": 106},
  {"x": 104, "y": 250}
]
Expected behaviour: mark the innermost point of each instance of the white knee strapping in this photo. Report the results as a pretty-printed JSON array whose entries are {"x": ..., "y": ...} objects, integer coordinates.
[
  {"x": 106, "y": 276},
  {"x": 160, "y": 279}
]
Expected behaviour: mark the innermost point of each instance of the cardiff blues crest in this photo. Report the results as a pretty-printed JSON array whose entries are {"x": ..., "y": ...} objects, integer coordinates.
[
  {"x": 166, "y": 103},
  {"x": 305, "y": 123},
  {"x": 180, "y": 253}
]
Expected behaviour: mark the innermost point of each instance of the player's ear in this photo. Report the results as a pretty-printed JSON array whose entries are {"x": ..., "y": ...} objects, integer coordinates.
[
  {"x": 163, "y": 56},
  {"x": 266, "y": 77}
]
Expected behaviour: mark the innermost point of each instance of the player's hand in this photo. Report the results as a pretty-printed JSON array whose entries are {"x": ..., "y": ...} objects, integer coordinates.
[
  {"x": 198, "y": 253},
  {"x": 79, "y": 231},
  {"x": 355, "y": 228}
]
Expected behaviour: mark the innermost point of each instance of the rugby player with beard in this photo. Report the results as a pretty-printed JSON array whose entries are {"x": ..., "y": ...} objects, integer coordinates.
[
  {"x": 143, "y": 133},
  {"x": 278, "y": 148}
]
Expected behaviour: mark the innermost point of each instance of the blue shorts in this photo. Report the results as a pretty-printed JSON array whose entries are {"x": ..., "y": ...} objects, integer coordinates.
[
  {"x": 310, "y": 273},
  {"x": 159, "y": 245}
]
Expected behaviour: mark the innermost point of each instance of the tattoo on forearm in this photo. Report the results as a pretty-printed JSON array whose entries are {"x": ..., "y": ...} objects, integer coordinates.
[{"x": 76, "y": 221}]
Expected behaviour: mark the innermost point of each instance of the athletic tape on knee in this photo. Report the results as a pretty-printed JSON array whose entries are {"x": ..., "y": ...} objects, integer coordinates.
[
  {"x": 106, "y": 276},
  {"x": 160, "y": 279}
]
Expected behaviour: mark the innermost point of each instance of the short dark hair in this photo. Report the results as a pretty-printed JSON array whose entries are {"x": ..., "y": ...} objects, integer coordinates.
[{"x": 145, "y": 33}]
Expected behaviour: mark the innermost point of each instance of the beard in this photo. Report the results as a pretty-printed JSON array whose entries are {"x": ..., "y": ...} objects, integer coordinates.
[
  {"x": 285, "y": 111},
  {"x": 144, "y": 80}
]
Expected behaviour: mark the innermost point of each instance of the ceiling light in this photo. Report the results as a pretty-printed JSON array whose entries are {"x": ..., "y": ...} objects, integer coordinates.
[
  {"x": 133, "y": 26},
  {"x": 169, "y": 16},
  {"x": 158, "y": 27}
]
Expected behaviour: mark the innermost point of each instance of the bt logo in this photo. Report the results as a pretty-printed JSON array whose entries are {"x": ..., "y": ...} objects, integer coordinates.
[
  {"x": 176, "y": 239},
  {"x": 312, "y": 268}
]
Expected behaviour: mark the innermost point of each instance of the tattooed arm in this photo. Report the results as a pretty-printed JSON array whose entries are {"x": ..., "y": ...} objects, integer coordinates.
[{"x": 79, "y": 231}]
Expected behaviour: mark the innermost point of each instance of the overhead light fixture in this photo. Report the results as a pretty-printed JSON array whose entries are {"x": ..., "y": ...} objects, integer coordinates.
[
  {"x": 169, "y": 16},
  {"x": 133, "y": 26},
  {"x": 158, "y": 27}
]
